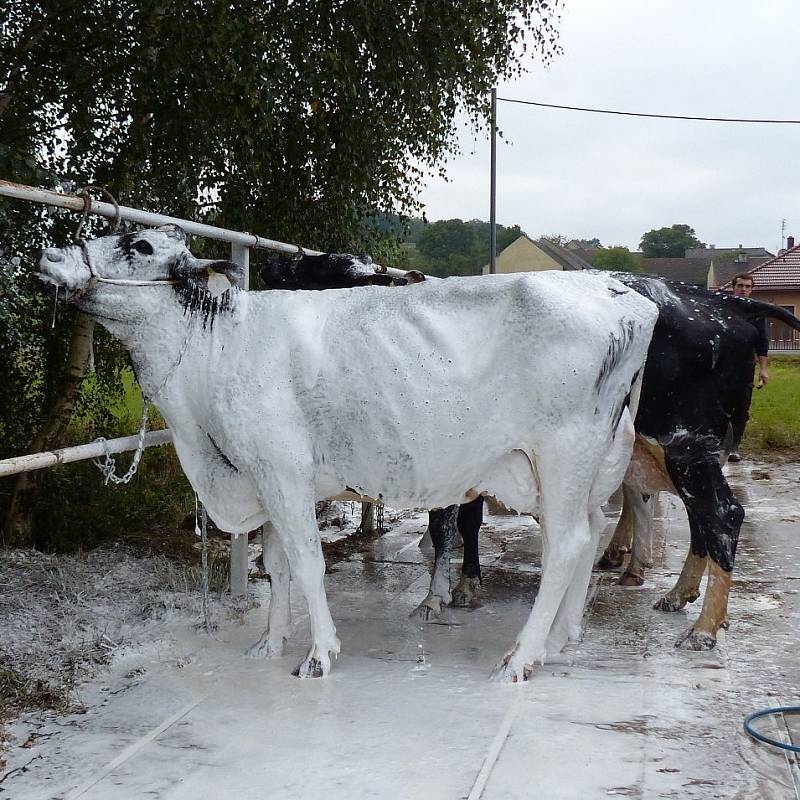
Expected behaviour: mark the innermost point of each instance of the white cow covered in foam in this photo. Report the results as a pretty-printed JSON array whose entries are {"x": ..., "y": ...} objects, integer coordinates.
[{"x": 514, "y": 385}]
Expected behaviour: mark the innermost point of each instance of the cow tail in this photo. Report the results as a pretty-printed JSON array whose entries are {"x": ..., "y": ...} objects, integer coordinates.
[{"x": 756, "y": 309}]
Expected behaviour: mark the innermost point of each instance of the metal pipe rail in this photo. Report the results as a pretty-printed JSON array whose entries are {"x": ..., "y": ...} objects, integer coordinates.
[
  {"x": 75, "y": 202},
  {"x": 81, "y": 452}
]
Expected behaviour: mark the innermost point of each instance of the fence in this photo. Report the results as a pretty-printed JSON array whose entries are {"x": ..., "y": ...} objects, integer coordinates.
[
  {"x": 783, "y": 345},
  {"x": 241, "y": 244}
]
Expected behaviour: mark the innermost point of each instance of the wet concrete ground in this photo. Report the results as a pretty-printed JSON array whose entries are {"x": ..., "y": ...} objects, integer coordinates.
[{"x": 409, "y": 711}]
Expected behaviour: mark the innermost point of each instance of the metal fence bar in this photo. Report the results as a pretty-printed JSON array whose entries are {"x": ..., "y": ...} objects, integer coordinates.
[
  {"x": 239, "y": 563},
  {"x": 779, "y": 345},
  {"x": 81, "y": 452}
]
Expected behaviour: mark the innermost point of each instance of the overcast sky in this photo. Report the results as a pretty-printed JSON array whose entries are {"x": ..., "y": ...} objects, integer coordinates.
[{"x": 586, "y": 175}]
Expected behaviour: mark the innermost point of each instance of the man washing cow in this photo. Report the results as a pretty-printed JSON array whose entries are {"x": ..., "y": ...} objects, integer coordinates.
[{"x": 268, "y": 415}]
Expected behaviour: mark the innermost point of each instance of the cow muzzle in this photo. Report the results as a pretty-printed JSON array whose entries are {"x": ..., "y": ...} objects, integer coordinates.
[{"x": 61, "y": 269}]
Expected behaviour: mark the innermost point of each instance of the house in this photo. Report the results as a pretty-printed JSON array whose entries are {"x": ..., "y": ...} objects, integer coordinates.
[
  {"x": 706, "y": 266},
  {"x": 776, "y": 280},
  {"x": 526, "y": 255}
]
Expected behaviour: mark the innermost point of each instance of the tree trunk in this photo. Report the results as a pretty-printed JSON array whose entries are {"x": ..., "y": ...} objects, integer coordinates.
[{"x": 18, "y": 526}]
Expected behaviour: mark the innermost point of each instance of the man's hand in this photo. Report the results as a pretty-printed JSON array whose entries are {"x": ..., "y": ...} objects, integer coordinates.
[{"x": 763, "y": 378}]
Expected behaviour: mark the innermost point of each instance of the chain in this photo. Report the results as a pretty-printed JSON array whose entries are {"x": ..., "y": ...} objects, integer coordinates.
[
  {"x": 379, "y": 519},
  {"x": 202, "y": 531},
  {"x": 172, "y": 369},
  {"x": 87, "y": 207},
  {"x": 109, "y": 466}
]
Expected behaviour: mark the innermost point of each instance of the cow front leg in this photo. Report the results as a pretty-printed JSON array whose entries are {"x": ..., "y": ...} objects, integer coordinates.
[
  {"x": 442, "y": 527},
  {"x": 296, "y": 528},
  {"x": 279, "y": 619},
  {"x": 470, "y": 519}
]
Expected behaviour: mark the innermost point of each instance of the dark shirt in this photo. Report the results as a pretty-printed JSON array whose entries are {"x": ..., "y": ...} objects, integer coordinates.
[{"x": 762, "y": 343}]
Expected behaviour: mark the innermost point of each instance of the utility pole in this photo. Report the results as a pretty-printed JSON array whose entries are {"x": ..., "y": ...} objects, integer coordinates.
[{"x": 493, "y": 189}]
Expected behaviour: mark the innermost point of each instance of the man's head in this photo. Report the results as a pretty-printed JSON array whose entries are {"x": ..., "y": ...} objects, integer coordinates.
[{"x": 743, "y": 284}]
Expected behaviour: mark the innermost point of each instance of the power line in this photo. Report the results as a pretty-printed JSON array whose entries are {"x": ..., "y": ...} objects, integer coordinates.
[{"x": 654, "y": 116}]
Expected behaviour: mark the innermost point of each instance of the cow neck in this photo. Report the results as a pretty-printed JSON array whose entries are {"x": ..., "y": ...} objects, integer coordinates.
[{"x": 157, "y": 346}]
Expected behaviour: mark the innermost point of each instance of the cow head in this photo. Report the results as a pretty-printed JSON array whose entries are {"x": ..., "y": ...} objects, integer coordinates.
[
  {"x": 107, "y": 271},
  {"x": 326, "y": 271}
]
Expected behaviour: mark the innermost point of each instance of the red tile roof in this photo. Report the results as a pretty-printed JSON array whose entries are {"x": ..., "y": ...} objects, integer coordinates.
[{"x": 781, "y": 272}]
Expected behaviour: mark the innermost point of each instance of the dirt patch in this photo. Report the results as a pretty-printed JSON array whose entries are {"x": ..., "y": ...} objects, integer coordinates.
[{"x": 358, "y": 542}]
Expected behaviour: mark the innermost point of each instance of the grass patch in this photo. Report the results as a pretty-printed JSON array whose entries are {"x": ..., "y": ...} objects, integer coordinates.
[
  {"x": 775, "y": 410},
  {"x": 18, "y": 694}
]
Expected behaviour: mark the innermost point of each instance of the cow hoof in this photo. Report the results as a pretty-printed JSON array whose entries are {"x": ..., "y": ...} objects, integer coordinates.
[
  {"x": 466, "y": 592},
  {"x": 264, "y": 648},
  {"x": 429, "y": 610},
  {"x": 630, "y": 579},
  {"x": 608, "y": 562},
  {"x": 310, "y": 668},
  {"x": 668, "y": 603},
  {"x": 509, "y": 672},
  {"x": 696, "y": 640}
]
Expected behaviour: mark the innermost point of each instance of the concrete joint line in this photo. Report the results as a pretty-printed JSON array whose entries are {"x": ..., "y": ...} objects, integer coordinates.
[
  {"x": 132, "y": 749},
  {"x": 495, "y": 748}
]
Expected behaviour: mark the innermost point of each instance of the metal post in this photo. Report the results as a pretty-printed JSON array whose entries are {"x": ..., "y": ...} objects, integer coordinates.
[
  {"x": 493, "y": 189},
  {"x": 240, "y": 254}
]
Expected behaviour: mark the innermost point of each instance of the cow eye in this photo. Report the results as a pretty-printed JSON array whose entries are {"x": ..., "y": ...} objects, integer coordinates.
[{"x": 143, "y": 247}]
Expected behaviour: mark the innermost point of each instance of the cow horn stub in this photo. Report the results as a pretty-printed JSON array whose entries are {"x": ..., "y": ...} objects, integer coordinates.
[{"x": 175, "y": 231}]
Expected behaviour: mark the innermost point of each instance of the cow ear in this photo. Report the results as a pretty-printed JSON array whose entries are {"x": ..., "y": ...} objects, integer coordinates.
[
  {"x": 222, "y": 275},
  {"x": 173, "y": 231}
]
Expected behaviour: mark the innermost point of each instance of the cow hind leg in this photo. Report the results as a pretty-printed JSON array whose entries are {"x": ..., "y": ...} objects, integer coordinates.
[
  {"x": 642, "y": 506},
  {"x": 714, "y": 615},
  {"x": 470, "y": 517},
  {"x": 569, "y": 619},
  {"x": 279, "y": 620},
  {"x": 715, "y": 518},
  {"x": 621, "y": 539},
  {"x": 566, "y": 536},
  {"x": 442, "y": 527},
  {"x": 687, "y": 588}
]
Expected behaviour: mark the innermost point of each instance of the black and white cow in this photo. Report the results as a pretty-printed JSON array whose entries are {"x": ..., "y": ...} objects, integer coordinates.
[
  {"x": 272, "y": 401},
  {"x": 696, "y": 379}
]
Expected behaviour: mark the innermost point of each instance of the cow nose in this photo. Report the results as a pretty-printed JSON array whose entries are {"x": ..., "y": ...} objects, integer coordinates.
[{"x": 54, "y": 255}]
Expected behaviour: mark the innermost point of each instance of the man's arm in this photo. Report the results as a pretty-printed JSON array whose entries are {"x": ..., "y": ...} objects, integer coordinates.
[
  {"x": 763, "y": 374},
  {"x": 762, "y": 348}
]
